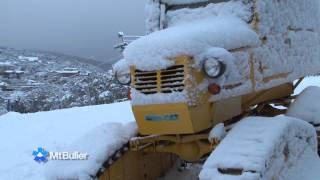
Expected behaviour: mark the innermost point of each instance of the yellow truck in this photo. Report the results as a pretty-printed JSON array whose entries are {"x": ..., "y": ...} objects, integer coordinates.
[{"x": 206, "y": 62}]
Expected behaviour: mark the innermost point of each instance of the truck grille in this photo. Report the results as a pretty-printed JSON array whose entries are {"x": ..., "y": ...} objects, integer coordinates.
[{"x": 161, "y": 81}]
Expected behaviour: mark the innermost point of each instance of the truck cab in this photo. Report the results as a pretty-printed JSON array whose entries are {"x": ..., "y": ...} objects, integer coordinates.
[{"x": 204, "y": 62}]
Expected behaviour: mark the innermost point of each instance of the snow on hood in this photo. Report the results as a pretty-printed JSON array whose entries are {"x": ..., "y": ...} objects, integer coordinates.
[{"x": 156, "y": 51}]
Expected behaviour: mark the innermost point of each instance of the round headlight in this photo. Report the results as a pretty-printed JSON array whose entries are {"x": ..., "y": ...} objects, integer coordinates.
[
  {"x": 213, "y": 67},
  {"x": 123, "y": 78}
]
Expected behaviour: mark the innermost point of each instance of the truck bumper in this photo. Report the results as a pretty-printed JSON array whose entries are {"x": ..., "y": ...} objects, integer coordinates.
[{"x": 177, "y": 118}]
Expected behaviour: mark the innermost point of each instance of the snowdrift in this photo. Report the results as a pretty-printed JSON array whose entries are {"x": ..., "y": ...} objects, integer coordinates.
[
  {"x": 307, "y": 106},
  {"x": 96, "y": 130},
  {"x": 260, "y": 148}
]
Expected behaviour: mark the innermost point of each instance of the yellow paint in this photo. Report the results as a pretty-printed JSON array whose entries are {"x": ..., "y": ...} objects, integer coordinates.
[
  {"x": 182, "y": 125},
  {"x": 187, "y": 136},
  {"x": 139, "y": 166},
  {"x": 199, "y": 115},
  {"x": 188, "y": 147},
  {"x": 194, "y": 117},
  {"x": 275, "y": 77}
]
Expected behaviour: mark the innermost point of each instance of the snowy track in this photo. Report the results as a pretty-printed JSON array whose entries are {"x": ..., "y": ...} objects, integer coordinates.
[{"x": 260, "y": 148}]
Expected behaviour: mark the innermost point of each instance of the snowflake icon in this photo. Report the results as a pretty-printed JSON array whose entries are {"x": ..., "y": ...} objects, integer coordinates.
[{"x": 40, "y": 155}]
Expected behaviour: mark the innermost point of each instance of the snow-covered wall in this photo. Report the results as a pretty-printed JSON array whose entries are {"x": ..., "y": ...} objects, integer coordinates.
[
  {"x": 152, "y": 16},
  {"x": 290, "y": 33}
]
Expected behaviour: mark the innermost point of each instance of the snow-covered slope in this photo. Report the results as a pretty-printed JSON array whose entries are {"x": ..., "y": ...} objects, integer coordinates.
[
  {"x": 48, "y": 82},
  {"x": 96, "y": 130}
]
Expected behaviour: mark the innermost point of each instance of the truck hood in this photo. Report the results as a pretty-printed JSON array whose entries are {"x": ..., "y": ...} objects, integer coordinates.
[{"x": 157, "y": 50}]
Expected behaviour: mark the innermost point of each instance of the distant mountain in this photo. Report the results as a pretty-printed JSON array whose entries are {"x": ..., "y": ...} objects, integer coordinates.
[{"x": 32, "y": 81}]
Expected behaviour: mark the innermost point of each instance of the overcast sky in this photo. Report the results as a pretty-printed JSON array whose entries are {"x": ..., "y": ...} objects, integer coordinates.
[{"x": 86, "y": 28}]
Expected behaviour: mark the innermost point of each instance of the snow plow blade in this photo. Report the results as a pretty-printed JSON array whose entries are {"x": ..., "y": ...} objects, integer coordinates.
[
  {"x": 137, "y": 166},
  {"x": 260, "y": 148}
]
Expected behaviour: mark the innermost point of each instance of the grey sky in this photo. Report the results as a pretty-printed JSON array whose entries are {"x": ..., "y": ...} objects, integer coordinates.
[{"x": 86, "y": 28}]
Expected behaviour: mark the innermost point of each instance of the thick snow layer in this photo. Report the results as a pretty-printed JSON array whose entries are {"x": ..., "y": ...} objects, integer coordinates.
[
  {"x": 156, "y": 51},
  {"x": 152, "y": 9},
  {"x": 96, "y": 130},
  {"x": 290, "y": 32},
  {"x": 121, "y": 66},
  {"x": 231, "y": 8},
  {"x": 306, "y": 168},
  {"x": 307, "y": 106},
  {"x": 263, "y": 147}
]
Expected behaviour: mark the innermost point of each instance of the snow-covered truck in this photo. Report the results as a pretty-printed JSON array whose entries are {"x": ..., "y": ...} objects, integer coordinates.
[{"x": 206, "y": 62}]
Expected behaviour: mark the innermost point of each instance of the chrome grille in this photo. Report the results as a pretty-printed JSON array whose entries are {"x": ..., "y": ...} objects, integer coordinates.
[{"x": 164, "y": 81}]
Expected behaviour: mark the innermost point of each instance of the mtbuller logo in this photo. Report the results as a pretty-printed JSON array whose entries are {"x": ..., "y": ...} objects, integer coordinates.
[{"x": 42, "y": 156}]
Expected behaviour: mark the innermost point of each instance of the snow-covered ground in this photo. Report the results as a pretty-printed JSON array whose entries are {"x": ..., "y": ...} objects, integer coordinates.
[
  {"x": 81, "y": 129},
  {"x": 89, "y": 130}
]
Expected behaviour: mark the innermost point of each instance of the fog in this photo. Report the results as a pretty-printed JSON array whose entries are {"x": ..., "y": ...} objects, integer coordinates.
[{"x": 86, "y": 28}]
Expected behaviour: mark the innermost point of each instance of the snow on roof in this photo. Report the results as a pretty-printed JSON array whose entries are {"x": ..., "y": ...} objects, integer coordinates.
[
  {"x": 155, "y": 50},
  {"x": 28, "y": 58},
  {"x": 307, "y": 106},
  {"x": 6, "y": 63},
  {"x": 68, "y": 72},
  {"x": 96, "y": 130},
  {"x": 258, "y": 146},
  {"x": 3, "y": 84}
]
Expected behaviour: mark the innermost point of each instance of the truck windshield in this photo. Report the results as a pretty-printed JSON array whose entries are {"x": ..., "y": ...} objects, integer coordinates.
[
  {"x": 173, "y": 12},
  {"x": 176, "y": 6}
]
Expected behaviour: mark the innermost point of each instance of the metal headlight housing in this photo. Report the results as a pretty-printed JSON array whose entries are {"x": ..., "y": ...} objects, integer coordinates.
[
  {"x": 123, "y": 77},
  {"x": 213, "y": 67}
]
